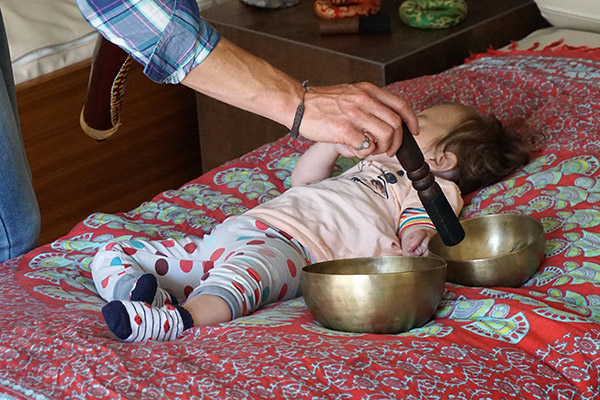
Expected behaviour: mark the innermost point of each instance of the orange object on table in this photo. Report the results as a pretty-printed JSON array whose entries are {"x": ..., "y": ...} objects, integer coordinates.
[{"x": 333, "y": 9}]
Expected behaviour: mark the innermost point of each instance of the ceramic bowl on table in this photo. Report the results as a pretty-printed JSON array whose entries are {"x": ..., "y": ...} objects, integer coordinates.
[
  {"x": 389, "y": 294},
  {"x": 499, "y": 250}
]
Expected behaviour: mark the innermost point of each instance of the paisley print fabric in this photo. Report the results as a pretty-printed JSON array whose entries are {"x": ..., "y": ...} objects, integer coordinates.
[{"x": 539, "y": 341}]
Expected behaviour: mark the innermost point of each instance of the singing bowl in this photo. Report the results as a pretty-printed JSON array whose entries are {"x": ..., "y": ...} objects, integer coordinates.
[
  {"x": 498, "y": 250},
  {"x": 389, "y": 294}
]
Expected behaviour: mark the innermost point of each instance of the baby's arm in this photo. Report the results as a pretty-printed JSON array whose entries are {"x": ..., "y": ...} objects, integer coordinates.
[
  {"x": 416, "y": 228},
  {"x": 317, "y": 163}
]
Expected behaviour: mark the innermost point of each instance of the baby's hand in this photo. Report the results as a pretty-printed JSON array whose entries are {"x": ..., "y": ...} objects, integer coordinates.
[{"x": 414, "y": 240}]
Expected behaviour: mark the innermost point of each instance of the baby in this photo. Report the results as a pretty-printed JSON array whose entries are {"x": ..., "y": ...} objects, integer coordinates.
[{"x": 256, "y": 258}]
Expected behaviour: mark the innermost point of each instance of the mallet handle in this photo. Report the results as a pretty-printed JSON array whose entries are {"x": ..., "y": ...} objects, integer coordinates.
[{"x": 435, "y": 202}]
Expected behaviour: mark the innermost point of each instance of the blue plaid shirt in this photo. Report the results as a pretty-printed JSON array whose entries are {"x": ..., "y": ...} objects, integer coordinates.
[{"x": 167, "y": 37}]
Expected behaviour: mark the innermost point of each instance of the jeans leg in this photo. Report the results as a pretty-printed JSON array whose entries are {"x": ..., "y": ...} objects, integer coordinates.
[{"x": 19, "y": 212}]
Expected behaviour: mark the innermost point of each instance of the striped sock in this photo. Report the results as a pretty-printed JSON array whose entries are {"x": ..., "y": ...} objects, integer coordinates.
[
  {"x": 146, "y": 289},
  {"x": 136, "y": 321}
]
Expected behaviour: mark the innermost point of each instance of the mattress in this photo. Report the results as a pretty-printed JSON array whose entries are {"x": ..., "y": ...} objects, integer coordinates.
[{"x": 539, "y": 341}]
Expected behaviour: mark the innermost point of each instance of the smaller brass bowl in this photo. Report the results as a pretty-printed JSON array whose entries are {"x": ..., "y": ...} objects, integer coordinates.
[
  {"x": 389, "y": 294},
  {"x": 500, "y": 250}
]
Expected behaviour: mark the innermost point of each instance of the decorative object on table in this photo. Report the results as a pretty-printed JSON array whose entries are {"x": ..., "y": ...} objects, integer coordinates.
[
  {"x": 371, "y": 24},
  {"x": 271, "y": 3},
  {"x": 433, "y": 14},
  {"x": 499, "y": 250},
  {"x": 334, "y": 9}
]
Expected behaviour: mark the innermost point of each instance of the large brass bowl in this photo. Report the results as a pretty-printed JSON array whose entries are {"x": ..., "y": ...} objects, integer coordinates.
[
  {"x": 498, "y": 250},
  {"x": 375, "y": 294}
]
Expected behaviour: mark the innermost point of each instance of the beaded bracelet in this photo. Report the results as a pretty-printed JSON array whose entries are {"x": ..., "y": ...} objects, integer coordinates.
[{"x": 295, "y": 131}]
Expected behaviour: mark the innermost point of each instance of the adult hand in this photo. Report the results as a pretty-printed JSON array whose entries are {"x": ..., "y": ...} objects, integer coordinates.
[{"x": 348, "y": 113}]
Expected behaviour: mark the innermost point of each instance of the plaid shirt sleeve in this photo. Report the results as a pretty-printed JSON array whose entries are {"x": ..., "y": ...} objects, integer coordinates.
[{"x": 167, "y": 37}]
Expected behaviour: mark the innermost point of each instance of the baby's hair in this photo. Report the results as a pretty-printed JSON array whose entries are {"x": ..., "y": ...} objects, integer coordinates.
[{"x": 486, "y": 152}]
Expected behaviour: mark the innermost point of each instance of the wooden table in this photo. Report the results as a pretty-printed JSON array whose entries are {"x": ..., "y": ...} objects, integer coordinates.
[{"x": 290, "y": 40}]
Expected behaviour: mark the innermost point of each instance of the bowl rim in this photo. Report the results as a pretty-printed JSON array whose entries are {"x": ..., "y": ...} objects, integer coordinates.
[
  {"x": 480, "y": 260},
  {"x": 443, "y": 265}
]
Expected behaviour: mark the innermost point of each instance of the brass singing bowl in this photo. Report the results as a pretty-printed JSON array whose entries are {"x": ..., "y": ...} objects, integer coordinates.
[
  {"x": 498, "y": 250},
  {"x": 390, "y": 294}
]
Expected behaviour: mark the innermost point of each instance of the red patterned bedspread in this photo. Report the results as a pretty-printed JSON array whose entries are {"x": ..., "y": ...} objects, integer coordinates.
[{"x": 540, "y": 341}]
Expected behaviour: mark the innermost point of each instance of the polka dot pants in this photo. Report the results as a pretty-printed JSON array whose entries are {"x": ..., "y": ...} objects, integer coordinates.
[{"x": 244, "y": 261}]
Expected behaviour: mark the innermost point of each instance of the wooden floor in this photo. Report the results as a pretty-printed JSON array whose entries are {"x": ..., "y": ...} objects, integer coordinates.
[{"x": 156, "y": 148}]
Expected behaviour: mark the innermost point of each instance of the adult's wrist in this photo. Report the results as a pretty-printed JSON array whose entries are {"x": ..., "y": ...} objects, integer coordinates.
[{"x": 295, "y": 129}]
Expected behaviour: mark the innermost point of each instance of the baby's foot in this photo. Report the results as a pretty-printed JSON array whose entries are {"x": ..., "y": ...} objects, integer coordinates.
[
  {"x": 146, "y": 289},
  {"x": 136, "y": 321}
]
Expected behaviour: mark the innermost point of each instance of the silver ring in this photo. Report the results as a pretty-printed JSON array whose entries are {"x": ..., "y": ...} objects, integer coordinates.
[{"x": 365, "y": 144}]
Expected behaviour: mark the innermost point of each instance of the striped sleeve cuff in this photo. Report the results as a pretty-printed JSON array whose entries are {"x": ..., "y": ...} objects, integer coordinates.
[{"x": 414, "y": 216}]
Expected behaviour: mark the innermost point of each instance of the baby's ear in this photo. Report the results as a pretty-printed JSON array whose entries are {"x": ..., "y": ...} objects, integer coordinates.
[{"x": 442, "y": 161}]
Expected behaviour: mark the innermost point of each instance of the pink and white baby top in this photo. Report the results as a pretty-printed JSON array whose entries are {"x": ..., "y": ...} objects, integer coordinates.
[{"x": 356, "y": 214}]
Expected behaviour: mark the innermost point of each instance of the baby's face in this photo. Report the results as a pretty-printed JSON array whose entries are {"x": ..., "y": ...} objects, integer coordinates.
[{"x": 435, "y": 123}]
